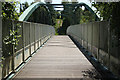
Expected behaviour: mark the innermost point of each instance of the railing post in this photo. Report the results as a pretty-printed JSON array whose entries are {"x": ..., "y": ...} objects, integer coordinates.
[
  {"x": 30, "y": 40},
  {"x": 34, "y": 38},
  {"x": 13, "y": 50},
  {"x": 39, "y": 37},
  {"x": 0, "y": 39},
  {"x": 23, "y": 44},
  {"x": 82, "y": 34},
  {"x": 109, "y": 46},
  {"x": 92, "y": 40},
  {"x": 99, "y": 40},
  {"x": 87, "y": 36}
]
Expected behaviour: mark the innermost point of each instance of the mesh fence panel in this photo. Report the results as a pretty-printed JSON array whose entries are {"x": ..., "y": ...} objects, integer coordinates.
[
  {"x": 31, "y": 35},
  {"x": 102, "y": 41}
]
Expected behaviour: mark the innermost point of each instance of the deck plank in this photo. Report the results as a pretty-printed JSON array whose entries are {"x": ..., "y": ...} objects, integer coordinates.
[{"x": 59, "y": 59}]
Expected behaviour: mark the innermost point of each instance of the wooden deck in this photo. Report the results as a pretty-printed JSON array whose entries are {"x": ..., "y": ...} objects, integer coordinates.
[{"x": 59, "y": 59}]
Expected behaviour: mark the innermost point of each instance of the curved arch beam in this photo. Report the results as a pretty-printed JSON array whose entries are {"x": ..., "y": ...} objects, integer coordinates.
[
  {"x": 27, "y": 13},
  {"x": 87, "y": 7}
]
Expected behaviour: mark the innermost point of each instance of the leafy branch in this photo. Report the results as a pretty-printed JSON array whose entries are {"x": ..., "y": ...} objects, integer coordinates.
[{"x": 12, "y": 39}]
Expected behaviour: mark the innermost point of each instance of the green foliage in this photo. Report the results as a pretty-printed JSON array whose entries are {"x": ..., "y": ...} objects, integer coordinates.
[
  {"x": 72, "y": 15},
  {"x": 12, "y": 39},
  {"x": 53, "y": 14},
  {"x": 24, "y": 6},
  {"x": 58, "y": 25},
  {"x": 110, "y": 12},
  {"x": 67, "y": 16},
  {"x": 86, "y": 17},
  {"x": 9, "y": 10},
  {"x": 41, "y": 15},
  {"x": 104, "y": 9},
  {"x": 77, "y": 15},
  {"x": 44, "y": 15},
  {"x": 83, "y": 16}
]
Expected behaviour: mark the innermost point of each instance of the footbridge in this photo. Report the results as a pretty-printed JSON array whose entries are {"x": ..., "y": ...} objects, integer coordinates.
[{"x": 30, "y": 50}]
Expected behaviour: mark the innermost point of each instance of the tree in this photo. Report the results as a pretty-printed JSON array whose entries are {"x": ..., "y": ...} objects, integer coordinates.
[
  {"x": 110, "y": 12},
  {"x": 41, "y": 15},
  {"x": 67, "y": 16},
  {"x": 86, "y": 17},
  {"x": 11, "y": 39},
  {"x": 104, "y": 9},
  {"x": 9, "y": 10},
  {"x": 53, "y": 13},
  {"x": 24, "y": 6}
]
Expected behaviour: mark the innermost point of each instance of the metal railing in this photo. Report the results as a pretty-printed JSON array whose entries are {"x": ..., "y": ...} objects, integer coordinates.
[
  {"x": 33, "y": 35},
  {"x": 99, "y": 39}
]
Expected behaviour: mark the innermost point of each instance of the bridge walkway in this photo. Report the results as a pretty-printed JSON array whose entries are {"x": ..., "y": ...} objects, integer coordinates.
[{"x": 58, "y": 59}]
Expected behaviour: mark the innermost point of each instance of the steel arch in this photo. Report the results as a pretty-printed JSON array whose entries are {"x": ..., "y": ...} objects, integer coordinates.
[{"x": 26, "y": 14}]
